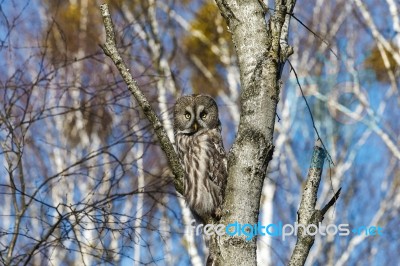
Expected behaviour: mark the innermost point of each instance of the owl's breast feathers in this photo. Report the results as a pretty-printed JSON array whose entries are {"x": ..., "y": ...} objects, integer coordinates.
[{"x": 203, "y": 157}]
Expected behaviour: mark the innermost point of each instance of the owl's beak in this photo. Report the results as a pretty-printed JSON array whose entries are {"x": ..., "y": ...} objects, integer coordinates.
[{"x": 195, "y": 126}]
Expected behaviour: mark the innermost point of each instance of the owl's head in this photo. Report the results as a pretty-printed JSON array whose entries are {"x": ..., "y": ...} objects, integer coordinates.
[{"x": 195, "y": 113}]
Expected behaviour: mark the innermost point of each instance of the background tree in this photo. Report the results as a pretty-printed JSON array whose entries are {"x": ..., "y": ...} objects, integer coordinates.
[{"x": 81, "y": 176}]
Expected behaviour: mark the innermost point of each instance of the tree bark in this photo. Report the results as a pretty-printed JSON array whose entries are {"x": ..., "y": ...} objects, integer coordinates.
[
  {"x": 260, "y": 59},
  {"x": 307, "y": 214}
]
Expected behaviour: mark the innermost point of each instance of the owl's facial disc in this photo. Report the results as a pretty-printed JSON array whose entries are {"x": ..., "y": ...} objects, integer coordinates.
[
  {"x": 201, "y": 116},
  {"x": 191, "y": 126}
]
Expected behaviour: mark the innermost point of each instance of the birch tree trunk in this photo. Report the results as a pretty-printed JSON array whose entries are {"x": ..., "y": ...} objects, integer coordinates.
[{"x": 261, "y": 57}]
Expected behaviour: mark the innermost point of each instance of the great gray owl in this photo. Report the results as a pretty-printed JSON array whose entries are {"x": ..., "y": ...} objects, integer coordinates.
[{"x": 200, "y": 149}]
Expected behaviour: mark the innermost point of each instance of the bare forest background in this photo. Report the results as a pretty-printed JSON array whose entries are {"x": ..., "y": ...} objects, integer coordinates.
[{"x": 82, "y": 177}]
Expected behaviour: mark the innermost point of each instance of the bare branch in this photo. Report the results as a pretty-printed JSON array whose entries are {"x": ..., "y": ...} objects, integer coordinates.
[
  {"x": 110, "y": 49},
  {"x": 307, "y": 214}
]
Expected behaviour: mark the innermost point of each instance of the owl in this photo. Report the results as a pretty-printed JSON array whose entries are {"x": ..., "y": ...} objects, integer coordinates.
[{"x": 198, "y": 141}]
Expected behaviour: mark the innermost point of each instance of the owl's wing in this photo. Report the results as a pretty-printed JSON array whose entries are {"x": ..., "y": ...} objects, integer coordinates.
[{"x": 217, "y": 163}]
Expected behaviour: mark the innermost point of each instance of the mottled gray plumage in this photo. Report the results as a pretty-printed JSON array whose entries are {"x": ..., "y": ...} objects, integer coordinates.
[{"x": 200, "y": 149}]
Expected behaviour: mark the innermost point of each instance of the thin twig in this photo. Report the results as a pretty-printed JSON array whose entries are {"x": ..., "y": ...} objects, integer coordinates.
[
  {"x": 311, "y": 115},
  {"x": 316, "y": 35}
]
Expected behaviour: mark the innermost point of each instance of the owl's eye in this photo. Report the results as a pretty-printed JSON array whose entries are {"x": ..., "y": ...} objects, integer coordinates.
[
  {"x": 203, "y": 115},
  {"x": 187, "y": 115}
]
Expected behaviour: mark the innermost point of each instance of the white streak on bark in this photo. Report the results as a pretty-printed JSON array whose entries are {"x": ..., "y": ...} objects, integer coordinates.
[
  {"x": 165, "y": 230},
  {"x": 189, "y": 238},
  {"x": 164, "y": 83},
  {"x": 139, "y": 197},
  {"x": 264, "y": 243}
]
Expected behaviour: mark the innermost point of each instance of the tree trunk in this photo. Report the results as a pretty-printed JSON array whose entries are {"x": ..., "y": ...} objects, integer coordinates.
[{"x": 260, "y": 60}]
